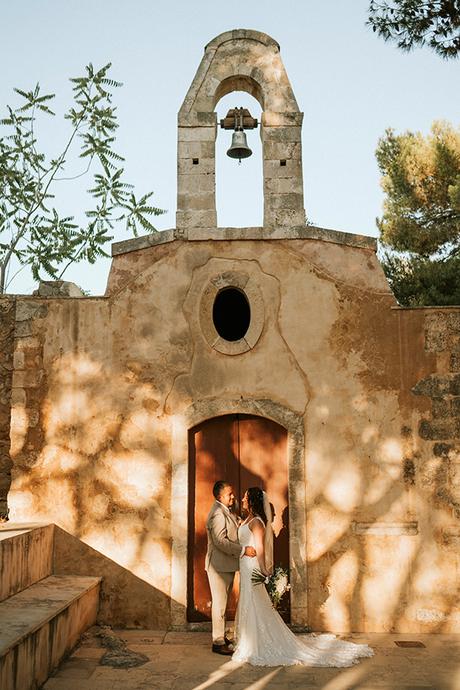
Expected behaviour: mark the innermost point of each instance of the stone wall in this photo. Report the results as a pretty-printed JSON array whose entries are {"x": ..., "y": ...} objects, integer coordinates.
[
  {"x": 105, "y": 389},
  {"x": 7, "y": 311},
  {"x": 382, "y": 531},
  {"x": 442, "y": 387},
  {"x": 82, "y": 457},
  {"x": 440, "y": 472}
]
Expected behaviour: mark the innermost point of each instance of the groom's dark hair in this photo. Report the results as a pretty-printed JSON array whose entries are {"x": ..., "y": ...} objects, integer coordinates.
[{"x": 219, "y": 487}]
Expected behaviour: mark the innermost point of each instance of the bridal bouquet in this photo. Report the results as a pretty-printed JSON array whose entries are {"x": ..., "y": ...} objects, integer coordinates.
[{"x": 277, "y": 584}]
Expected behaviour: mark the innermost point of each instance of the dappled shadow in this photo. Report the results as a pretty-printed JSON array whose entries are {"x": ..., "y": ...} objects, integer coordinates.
[
  {"x": 382, "y": 517},
  {"x": 98, "y": 470},
  {"x": 376, "y": 564},
  {"x": 102, "y": 474}
]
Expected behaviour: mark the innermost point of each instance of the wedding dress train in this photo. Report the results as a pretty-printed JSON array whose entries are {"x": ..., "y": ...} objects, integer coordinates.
[{"x": 263, "y": 639}]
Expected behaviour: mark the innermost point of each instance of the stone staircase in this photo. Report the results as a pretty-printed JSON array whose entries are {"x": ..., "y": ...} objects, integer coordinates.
[{"x": 41, "y": 615}]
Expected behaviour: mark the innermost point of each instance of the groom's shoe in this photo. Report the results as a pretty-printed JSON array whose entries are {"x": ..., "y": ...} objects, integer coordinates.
[
  {"x": 222, "y": 649},
  {"x": 229, "y": 643}
]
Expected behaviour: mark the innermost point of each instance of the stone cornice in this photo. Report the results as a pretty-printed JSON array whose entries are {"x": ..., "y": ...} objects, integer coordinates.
[{"x": 218, "y": 234}]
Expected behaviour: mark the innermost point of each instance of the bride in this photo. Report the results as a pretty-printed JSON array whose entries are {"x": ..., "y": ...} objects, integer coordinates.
[{"x": 262, "y": 637}]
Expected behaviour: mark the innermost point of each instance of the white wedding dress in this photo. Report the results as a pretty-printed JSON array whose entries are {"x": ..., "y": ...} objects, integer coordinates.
[{"x": 262, "y": 637}]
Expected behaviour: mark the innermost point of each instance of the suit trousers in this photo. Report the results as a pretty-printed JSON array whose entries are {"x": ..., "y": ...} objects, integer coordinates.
[{"x": 221, "y": 586}]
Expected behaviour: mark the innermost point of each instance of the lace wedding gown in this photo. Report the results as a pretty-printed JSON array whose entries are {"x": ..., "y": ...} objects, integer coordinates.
[{"x": 263, "y": 639}]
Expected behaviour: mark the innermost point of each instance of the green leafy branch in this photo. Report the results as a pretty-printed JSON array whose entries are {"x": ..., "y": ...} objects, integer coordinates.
[{"x": 31, "y": 229}]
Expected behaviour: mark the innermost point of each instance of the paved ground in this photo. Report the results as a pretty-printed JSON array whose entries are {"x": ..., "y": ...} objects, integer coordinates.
[{"x": 183, "y": 661}]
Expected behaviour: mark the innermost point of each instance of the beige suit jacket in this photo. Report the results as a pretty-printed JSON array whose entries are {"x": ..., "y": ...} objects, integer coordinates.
[{"x": 224, "y": 550}]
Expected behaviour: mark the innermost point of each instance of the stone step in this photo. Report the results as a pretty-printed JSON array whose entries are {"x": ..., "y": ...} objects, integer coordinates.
[
  {"x": 41, "y": 624},
  {"x": 26, "y": 556}
]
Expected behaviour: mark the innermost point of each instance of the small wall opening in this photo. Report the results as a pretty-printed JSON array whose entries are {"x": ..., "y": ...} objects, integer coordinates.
[
  {"x": 239, "y": 187},
  {"x": 231, "y": 314}
]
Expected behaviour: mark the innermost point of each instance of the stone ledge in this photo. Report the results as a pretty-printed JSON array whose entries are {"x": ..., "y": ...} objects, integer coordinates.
[
  {"x": 136, "y": 243},
  {"x": 301, "y": 232},
  {"x": 386, "y": 528},
  {"x": 298, "y": 232},
  {"x": 427, "y": 307}
]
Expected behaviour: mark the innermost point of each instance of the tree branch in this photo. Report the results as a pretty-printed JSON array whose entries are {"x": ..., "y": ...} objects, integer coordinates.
[{"x": 75, "y": 177}]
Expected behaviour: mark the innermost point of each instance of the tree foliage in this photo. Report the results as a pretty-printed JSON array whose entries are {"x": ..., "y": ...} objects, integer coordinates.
[
  {"x": 420, "y": 225},
  {"x": 421, "y": 180},
  {"x": 412, "y": 23},
  {"x": 31, "y": 229},
  {"x": 418, "y": 281}
]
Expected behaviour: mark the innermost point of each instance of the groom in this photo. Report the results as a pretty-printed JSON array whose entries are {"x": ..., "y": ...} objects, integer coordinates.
[{"x": 222, "y": 560}]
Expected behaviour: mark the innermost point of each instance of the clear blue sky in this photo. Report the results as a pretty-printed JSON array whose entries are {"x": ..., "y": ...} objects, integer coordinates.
[{"x": 350, "y": 85}]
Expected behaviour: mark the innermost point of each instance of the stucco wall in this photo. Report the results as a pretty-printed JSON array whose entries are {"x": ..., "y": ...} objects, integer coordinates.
[{"x": 101, "y": 387}]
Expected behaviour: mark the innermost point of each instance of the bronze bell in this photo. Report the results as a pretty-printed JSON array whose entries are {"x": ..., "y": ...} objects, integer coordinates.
[{"x": 239, "y": 147}]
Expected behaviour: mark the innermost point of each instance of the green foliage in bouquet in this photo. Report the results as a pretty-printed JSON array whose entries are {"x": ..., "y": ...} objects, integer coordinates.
[{"x": 276, "y": 584}]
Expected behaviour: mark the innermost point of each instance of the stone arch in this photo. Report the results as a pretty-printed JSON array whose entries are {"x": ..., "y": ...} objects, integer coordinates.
[
  {"x": 197, "y": 413},
  {"x": 239, "y": 82},
  {"x": 248, "y": 61}
]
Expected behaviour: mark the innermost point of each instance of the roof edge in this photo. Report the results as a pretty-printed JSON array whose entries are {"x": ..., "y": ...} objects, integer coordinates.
[
  {"x": 241, "y": 34},
  {"x": 310, "y": 232}
]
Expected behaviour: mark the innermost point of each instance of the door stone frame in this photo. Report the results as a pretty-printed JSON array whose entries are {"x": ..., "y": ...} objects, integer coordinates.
[{"x": 293, "y": 423}]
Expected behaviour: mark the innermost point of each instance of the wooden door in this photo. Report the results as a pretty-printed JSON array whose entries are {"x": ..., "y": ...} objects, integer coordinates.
[{"x": 246, "y": 451}]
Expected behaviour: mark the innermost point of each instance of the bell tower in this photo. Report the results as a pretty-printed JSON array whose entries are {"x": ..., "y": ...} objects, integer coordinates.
[{"x": 240, "y": 60}]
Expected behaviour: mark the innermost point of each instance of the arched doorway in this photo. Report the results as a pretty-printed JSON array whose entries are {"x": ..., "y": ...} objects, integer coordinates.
[{"x": 246, "y": 450}]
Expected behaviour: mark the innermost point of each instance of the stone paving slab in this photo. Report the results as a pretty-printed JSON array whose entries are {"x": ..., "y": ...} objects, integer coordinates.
[
  {"x": 143, "y": 636},
  {"x": 184, "y": 661}
]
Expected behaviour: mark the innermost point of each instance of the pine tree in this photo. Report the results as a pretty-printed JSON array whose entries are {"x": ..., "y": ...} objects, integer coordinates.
[
  {"x": 411, "y": 23},
  {"x": 420, "y": 225}
]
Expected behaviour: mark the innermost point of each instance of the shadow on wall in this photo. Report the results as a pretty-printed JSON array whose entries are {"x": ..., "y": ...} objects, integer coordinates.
[
  {"x": 98, "y": 471},
  {"x": 378, "y": 556},
  {"x": 93, "y": 463},
  {"x": 126, "y": 601}
]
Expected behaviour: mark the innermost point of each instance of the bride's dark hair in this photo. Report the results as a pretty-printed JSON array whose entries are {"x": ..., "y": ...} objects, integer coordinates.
[{"x": 256, "y": 502}]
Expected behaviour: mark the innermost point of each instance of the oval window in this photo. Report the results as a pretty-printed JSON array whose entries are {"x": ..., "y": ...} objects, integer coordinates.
[{"x": 231, "y": 314}]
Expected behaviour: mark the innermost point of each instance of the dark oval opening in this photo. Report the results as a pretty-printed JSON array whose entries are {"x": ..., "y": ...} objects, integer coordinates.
[{"x": 231, "y": 314}]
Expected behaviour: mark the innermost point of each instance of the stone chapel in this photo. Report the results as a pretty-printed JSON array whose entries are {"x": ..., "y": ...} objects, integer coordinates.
[{"x": 274, "y": 356}]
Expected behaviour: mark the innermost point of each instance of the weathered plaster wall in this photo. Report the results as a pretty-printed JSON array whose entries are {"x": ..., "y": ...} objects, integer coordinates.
[
  {"x": 102, "y": 386},
  {"x": 88, "y": 452}
]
